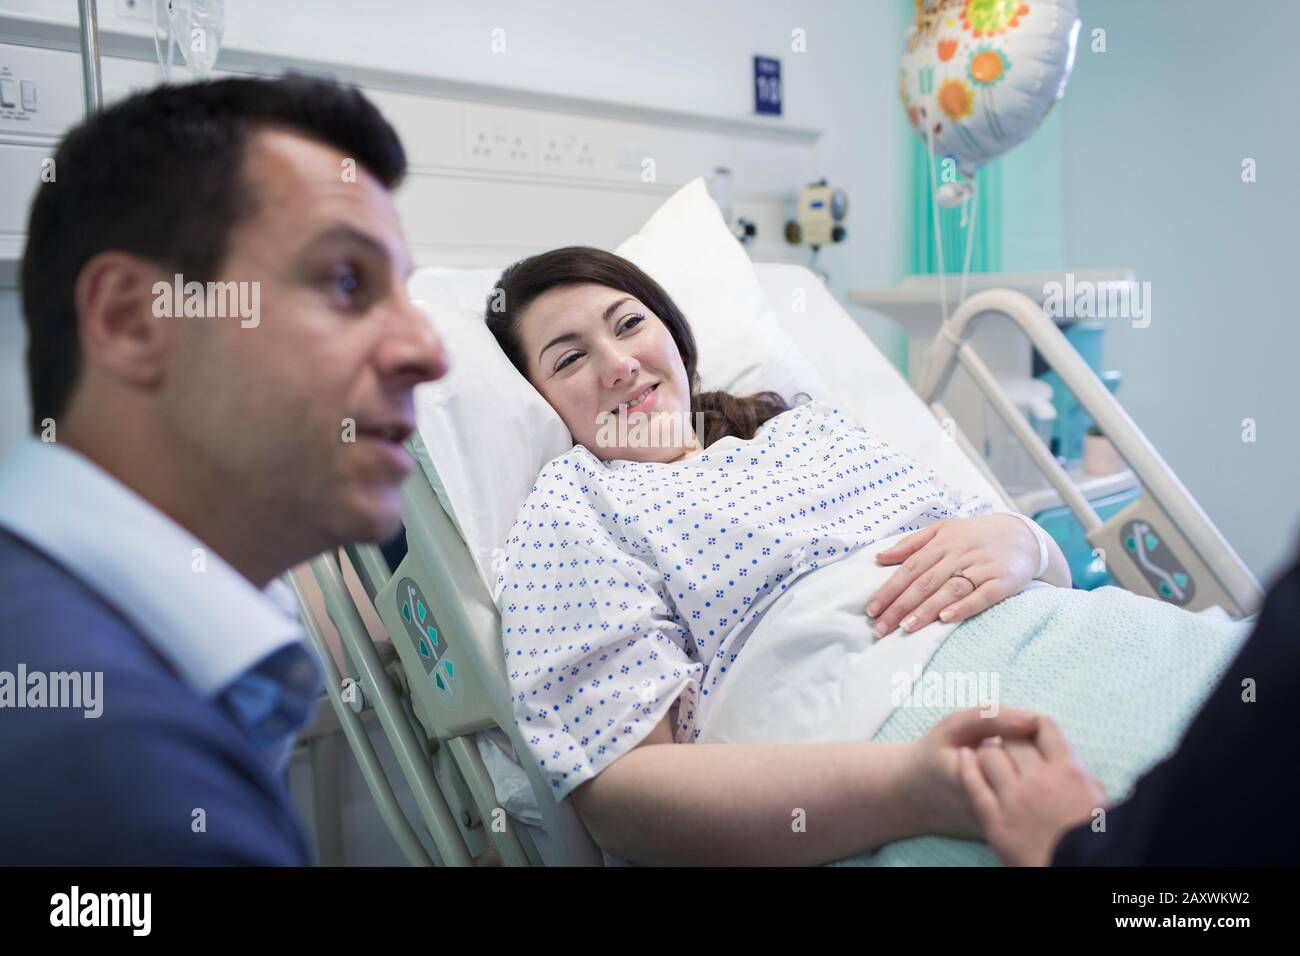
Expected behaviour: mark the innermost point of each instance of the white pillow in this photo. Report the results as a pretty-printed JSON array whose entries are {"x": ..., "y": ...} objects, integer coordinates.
[
  {"x": 687, "y": 248},
  {"x": 485, "y": 432}
]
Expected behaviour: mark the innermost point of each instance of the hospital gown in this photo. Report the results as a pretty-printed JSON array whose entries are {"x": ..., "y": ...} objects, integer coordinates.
[{"x": 623, "y": 583}]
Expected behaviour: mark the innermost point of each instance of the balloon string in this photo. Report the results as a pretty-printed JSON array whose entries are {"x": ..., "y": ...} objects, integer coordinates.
[
  {"x": 934, "y": 205},
  {"x": 968, "y": 202}
]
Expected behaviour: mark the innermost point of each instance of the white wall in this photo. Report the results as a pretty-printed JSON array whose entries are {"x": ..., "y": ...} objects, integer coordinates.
[
  {"x": 1154, "y": 133},
  {"x": 678, "y": 54}
]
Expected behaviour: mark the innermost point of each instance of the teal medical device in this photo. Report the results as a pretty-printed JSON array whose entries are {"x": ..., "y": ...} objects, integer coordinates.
[
  {"x": 1072, "y": 421},
  {"x": 1069, "y": 429},
  {"x": 1087, "y": 566}
]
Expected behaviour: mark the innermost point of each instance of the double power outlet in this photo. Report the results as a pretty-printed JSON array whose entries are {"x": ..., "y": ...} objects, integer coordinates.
[{"x": 523, "y": 150}]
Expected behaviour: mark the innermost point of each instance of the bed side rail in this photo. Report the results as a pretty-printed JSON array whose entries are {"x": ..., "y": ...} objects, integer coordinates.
[
  {"x": 342, "y": 701},
  {"x": 442, "y": 567},
  {"x": 445, "y": 693},
  {"x": 446, "y": 776},
  {"x": 1162, "y": 545},
  {"x": 373, "y": 686}
]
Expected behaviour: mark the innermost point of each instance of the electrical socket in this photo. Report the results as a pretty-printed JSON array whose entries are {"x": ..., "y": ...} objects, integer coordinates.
[
  {"x": 495, "y": 147},
  {"x": 563, "y": 151}
]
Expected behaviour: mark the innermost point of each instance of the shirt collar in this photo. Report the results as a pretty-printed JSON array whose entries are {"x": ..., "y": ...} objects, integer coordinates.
[{"x": 211, "y": 625}]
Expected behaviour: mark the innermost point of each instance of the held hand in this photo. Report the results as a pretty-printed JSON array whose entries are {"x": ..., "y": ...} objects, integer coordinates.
[
  {"x": 996, "y": 556},
  {"x": 934, "y": 787},
  {"x": 1027, "y": 793}
]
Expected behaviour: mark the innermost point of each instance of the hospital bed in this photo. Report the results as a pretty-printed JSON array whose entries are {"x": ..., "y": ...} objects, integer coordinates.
[{"x": 444, "y": 626}]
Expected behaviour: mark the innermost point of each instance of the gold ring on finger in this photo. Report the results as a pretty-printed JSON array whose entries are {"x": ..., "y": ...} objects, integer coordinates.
[{"x": 962, "y": 574}]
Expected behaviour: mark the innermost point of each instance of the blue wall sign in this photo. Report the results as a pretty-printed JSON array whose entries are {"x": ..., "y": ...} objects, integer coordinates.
[{"x": 767, "y": 85}]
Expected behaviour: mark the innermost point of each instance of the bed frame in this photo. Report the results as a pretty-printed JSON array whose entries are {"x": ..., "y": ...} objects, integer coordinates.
[{"x": 1196, "y": 568}]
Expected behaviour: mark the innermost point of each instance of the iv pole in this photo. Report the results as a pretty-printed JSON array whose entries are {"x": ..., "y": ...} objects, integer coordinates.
[{"x": 90, "y": 56}]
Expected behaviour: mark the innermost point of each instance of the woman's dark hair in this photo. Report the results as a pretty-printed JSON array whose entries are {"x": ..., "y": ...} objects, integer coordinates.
[{"x": 520, "y": 285}]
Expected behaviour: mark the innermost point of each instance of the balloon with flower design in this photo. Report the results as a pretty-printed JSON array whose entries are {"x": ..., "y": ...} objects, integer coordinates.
[{"x": 978, "y": 76}]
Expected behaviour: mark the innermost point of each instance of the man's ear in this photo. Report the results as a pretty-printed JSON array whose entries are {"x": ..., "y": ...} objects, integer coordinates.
[{"x": 116, "y": 324}]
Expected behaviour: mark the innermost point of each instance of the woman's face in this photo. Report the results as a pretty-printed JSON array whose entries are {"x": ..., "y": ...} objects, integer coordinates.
[{"x": 611, "y": 370}]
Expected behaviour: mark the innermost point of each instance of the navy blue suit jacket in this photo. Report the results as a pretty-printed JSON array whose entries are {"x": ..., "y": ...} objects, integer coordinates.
[{"x": 122, "y": 789}]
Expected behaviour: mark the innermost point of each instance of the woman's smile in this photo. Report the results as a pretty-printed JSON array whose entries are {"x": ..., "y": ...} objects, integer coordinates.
[{"x": 646, "y": 400}]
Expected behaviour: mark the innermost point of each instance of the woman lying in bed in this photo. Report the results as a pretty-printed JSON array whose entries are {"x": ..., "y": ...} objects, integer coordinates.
[{"x": 677, "y": 518}]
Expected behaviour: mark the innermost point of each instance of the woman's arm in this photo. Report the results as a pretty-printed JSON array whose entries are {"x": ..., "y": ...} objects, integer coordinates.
[{"x": 783, "y": 804}]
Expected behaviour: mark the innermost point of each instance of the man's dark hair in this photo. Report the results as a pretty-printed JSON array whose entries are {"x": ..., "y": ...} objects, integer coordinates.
[{"x": 158, "y": 175}]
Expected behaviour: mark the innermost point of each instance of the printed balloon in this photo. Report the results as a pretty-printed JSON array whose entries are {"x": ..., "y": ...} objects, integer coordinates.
[{"x": 978, "y": 76}]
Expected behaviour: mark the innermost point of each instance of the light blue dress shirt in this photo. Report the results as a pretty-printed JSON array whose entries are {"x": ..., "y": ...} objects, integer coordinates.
[{"x": 223, "y": 637}]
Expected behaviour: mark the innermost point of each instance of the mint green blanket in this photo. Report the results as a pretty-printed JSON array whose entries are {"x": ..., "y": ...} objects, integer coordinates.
[{"x": 1123, "y": 676}]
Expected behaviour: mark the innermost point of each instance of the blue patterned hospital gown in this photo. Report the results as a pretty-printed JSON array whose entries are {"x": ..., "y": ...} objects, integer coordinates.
[{"x": 623, "y": 583}]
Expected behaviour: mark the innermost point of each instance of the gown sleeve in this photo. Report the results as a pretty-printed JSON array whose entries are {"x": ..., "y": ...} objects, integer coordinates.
[{"x": 595, "y": 654}]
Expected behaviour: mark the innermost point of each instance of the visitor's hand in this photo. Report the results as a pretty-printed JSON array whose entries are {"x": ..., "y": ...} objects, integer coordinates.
[
  {"x": 1027, "y": 793},
  {"x": 997, "y": 553},
  {"x": 933, "y": 786}
]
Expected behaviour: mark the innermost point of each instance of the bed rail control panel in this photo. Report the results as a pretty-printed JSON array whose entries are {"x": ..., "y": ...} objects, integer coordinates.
[
  {"x": 1159, "y": 565},
  {"x": 450, "y": 694},
  {"x": 430, "y": 648},
  {"x": 1146, "y": 553}
]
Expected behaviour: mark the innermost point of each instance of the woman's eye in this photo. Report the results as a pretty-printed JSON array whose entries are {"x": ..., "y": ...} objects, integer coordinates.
[
  {"x": 566, "y": 361},
  {"x": 633, "y": 322}
]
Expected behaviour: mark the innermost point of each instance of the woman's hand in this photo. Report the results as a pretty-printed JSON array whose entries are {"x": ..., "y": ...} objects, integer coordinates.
[
  {"x": 933, "y": 785},
  {"x": 1028, "y": 793},
  {"x": 997, "y": 555}
]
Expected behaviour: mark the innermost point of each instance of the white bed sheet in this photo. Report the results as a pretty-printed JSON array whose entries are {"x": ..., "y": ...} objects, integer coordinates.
[{"x": 813, "y": 671}]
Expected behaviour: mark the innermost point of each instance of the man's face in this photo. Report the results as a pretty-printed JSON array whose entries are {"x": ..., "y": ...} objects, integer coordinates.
[{"x": 304, "y": 411}]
